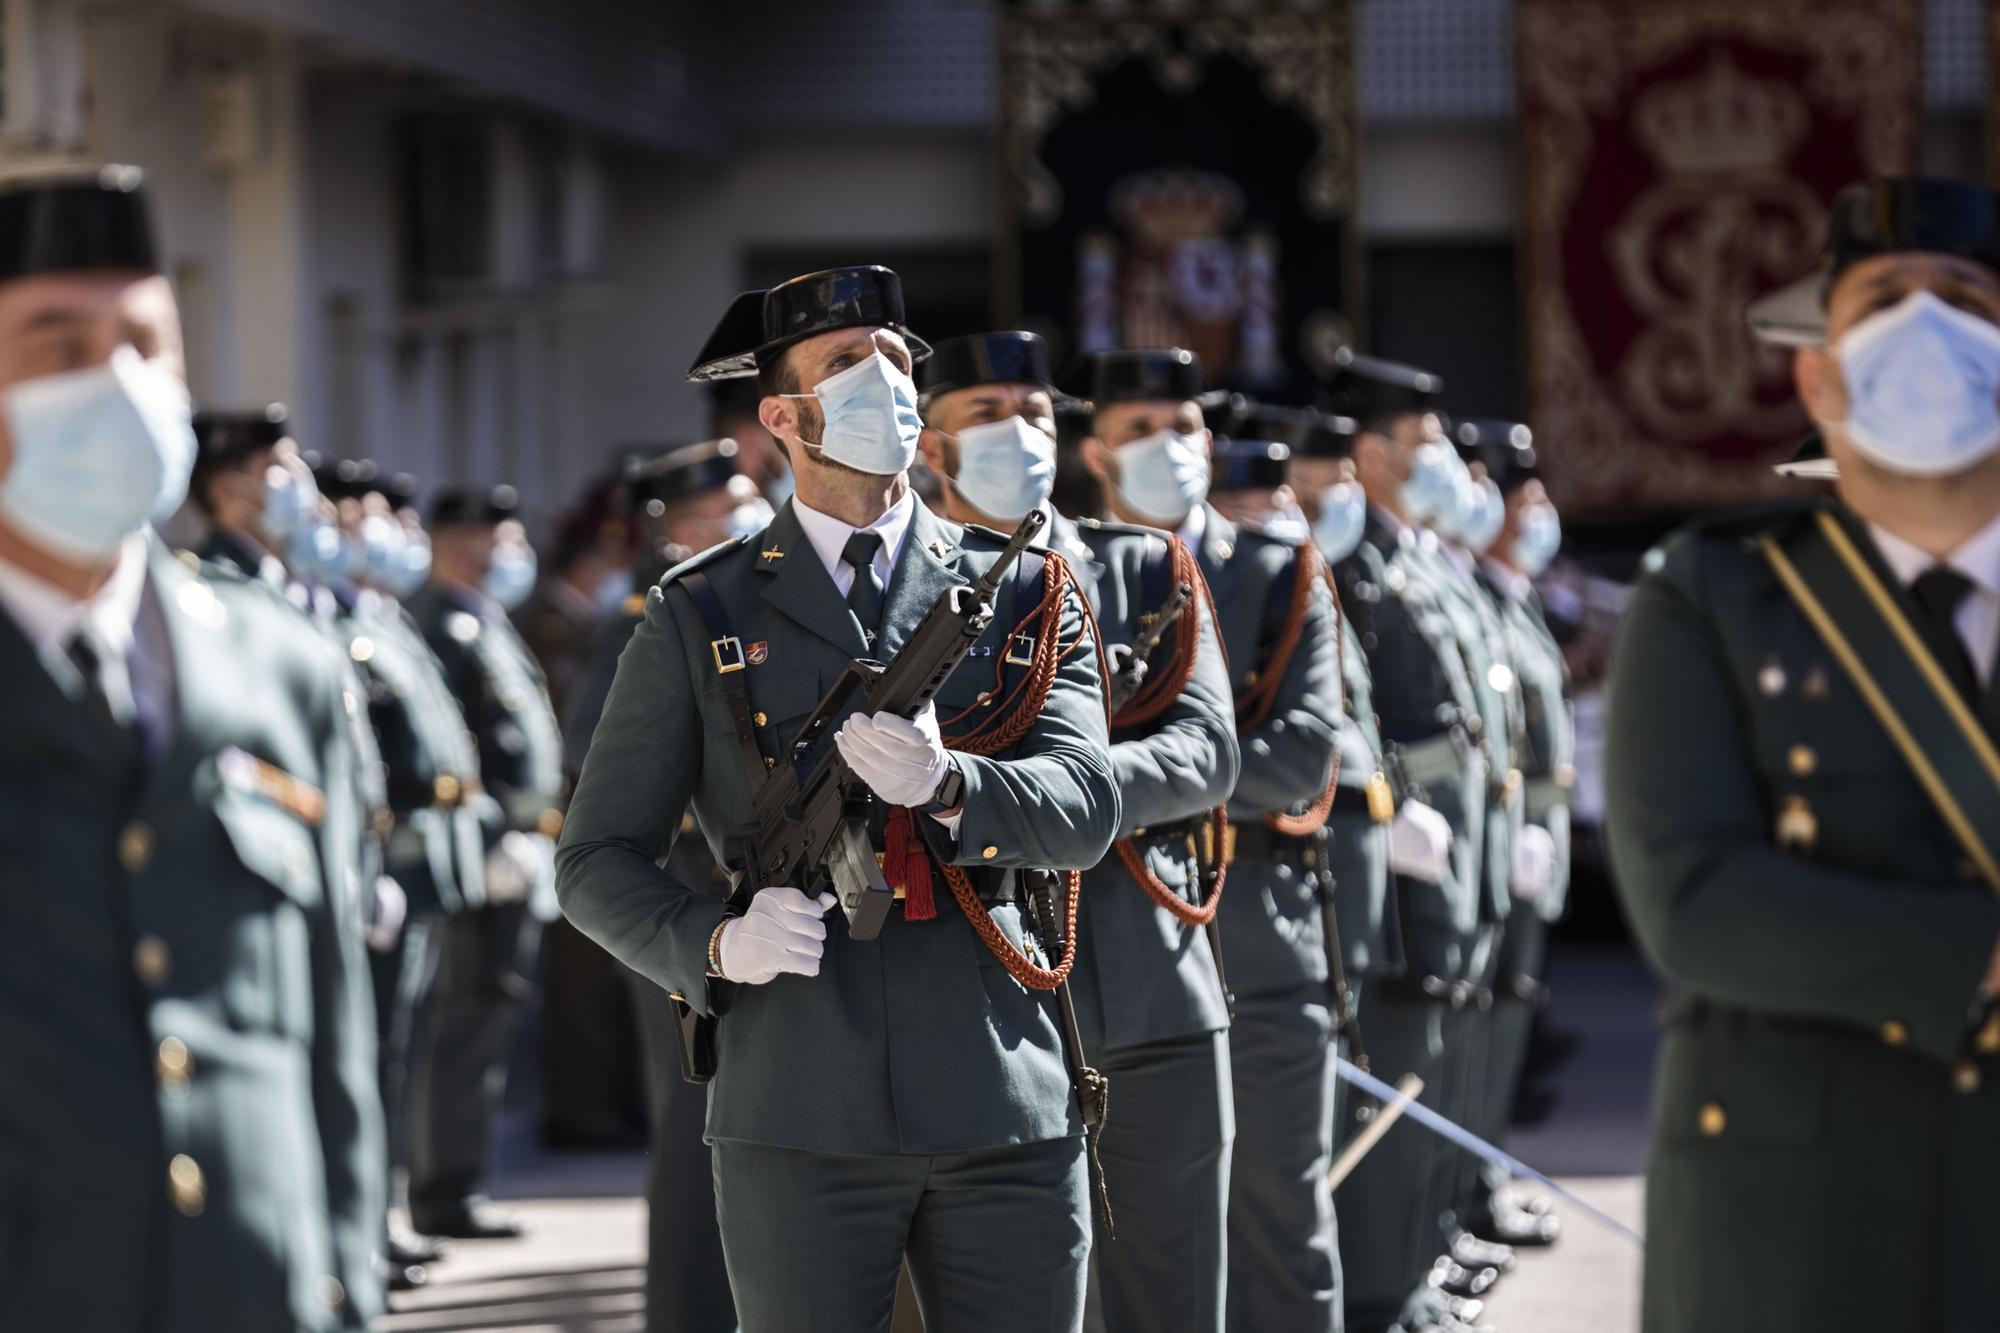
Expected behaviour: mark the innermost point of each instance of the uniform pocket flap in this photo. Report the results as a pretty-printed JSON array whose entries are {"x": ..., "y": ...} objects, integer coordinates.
[{"x": 272, "y": 843}]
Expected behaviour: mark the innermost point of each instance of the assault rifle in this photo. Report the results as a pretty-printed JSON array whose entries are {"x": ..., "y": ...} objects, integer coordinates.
[
  {"x": 1128, "y": 664},
  {"x": 813, "y": 811}
]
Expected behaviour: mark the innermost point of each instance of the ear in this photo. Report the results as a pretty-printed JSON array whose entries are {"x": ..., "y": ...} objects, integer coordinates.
[
  {"x": 1094, "y": 460},
  {"x": 931, "y": 445},
  {"x": 1208, "y": 443},
  {"x": 1822, "y": 388},
  {"x": 778, "y": 416}
]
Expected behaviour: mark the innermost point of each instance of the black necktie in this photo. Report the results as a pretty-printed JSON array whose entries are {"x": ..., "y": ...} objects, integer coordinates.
[
  {"x": 108, "y": 695},
  {"x": 1939, "y": 590},
  {"x": 865, "y": 597}
]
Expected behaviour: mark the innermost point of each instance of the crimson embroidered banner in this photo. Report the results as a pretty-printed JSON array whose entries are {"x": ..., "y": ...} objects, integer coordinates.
[
  {"x": 1677, "y": 160},
  {"x": 1182, "y": 175}
]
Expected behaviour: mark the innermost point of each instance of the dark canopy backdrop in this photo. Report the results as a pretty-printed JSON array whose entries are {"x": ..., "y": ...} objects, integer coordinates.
[
  {"x": 1177, "y": 176},
  {"x": 1677, "y": 160}
]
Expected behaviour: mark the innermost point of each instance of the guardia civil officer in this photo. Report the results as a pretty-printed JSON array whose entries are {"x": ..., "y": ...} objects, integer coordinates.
[
  {"x": 1525, "y": 537},
  {"x": 905, "y": 1094},
  {"x": 252, "y": 487},
  {"x": 1151, "y": 1008},
  {"x": 191, "y": 1138},
  {"x": 480, "y": 566},
  {"x": 1149, "y": 450},
  {"x": 1396, "y": 588},
  {"x": 683, "y": 500},
  {"x": 1801, "y": 805}
]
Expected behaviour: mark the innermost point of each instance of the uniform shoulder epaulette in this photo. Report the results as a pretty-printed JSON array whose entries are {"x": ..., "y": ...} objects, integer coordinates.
[
  {"x": 1750, "y": 520},
  {"x": 703, "y": 558},
  {"x": 1258, "y": 533},
  {"x": 1113, "y": 528}
]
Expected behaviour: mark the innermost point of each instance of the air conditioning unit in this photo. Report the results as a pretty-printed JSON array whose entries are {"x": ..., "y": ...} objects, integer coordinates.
[{"x": 41, "y": 76}]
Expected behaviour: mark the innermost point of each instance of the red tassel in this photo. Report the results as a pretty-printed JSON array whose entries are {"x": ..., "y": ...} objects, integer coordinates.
[{"x": 906, "y": 864}]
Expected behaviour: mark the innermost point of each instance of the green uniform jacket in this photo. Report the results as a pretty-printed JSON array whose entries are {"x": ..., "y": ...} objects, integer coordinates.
[
  {"x": 436, "y": 850},
  {"x": 1483, "y": 644},
  {"x": 190, "y": 1138},
  {"x": 505, "y": 704},
  {"x": 1808, "y": 1090},
  {"x": 1545, "y": 748},
  {"x": 1272, "y": 930},
  {"x": 915, "y": 1042},
  {"x": 1141, "y": 975},
  {"x": 593, "y": 687},
  {"x": 1358, "y": 845},
  {"x": 1427, "y": 708}
]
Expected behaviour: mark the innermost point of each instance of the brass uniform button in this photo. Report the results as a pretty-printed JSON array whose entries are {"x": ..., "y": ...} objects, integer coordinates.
[
  {"x": 135, "y": 848},
  {"x": 185, "y": 1185},
  {"x": 761, "y": 718},
  {"x": 1816, "y": 684},
  {"x": 1965, "y": 1076},
  {"x": 1802, "y": 760},
  {"x": 1771, "y": 678},
  {"x": 990, "y": 851},
  {"x": 1798, "y": 826},
  {"x": 1988, "y": 1040},
  {"x": 1712, "y": 1120},
  {"x": 152, "y": 960},
  {"x": 1895, "y": 1034},
  {"x": 173, "y": 1065},
  {"x": 446, "y": 789},
  {"x": 331, "y": 1294}
]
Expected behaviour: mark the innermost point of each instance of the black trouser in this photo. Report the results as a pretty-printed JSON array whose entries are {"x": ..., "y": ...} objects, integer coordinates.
[
  {"x": 459, "y": 1077},
  {"x": 1518, "y": 998},
  {"x": 592, "y": 1087},
  {"x": 687, "y": 1282}
]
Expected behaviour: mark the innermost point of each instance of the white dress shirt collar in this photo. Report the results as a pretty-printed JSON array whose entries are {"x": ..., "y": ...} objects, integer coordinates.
[
  {"x": 829, "y": 535},
  {"x": 50, "y": 617},
  {"x": 1978, "y": 558},
  {"x": 1193, "y": 528}
]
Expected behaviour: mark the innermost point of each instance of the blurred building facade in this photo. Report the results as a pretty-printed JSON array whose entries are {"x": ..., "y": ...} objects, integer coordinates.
[{"x": 481, "y": 239}]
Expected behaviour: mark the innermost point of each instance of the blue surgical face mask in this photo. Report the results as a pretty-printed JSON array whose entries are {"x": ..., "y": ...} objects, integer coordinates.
[
  {"x": 1484, "y": 514},
  {"x": 871, "y": 417},
  {"x": 511, "y": 576},
  {"x": 320, "y": 553},
  {"x": 1432, "y": 496},
  {"x": 412, "y": 567},
  {"x": 1539, "y": 538},
  {"x": 382, "y": 542},
  {"x": 97, "y": 453},
  {"x": 1923, "y": 387},
  {"x": 1163, "y": 477},
  {"x": 1343, "y": 517},
  {"x": 1006, "y": 469},
  {"x": 750, "y": 518},
  {"x": 290, "y": 499}
]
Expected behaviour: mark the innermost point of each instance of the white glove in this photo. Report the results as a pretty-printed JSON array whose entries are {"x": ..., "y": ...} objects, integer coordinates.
[
  {"x": 782, "y": 932},
  {"x": 513, "y": 866},
  {"x": 901, "y": 759},
  {"x": 1534, "y": 863},
  {"x": 1420, "y": 843},
  {"x": 392, "y": 908}
]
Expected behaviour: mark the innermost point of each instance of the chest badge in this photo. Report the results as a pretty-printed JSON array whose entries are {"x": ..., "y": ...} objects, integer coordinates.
[
  {"x": 756, "y": 653},
  {"x": 1798, "y": 826}
]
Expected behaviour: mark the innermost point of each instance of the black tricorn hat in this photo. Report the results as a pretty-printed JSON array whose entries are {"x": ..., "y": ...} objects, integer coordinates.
[
  {"x": 682, "y": 470},
  {"x": 1328, "y": 435},
  {"x": 1014, "y": 356},
  {"x": 346, "y": 478},
  {"x": 1249, "y": 419},
  {"x": 472, "y": 506},
  {"x": 1128, "y": 374},
  {"x": 1879, "y": 217},
  {"x": 1249, "y": 465},
  {"x": 65, "y": 218},
  {"x": 222, "y": 438},
  {"x": 861, "y": 296},
  {"x": 1507, "y": 448},
  {"x": 1369, "y": 388}
]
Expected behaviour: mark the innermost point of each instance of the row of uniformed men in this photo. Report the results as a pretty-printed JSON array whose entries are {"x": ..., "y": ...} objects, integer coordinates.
[
  {"x": 223, "y": 779},
  {"x": 892, "y": 1099}
]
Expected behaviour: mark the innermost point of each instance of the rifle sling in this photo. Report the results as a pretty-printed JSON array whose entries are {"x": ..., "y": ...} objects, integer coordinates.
[
  {"x": 742, "y": 718},
  {"x": 1857, "y": 617}
]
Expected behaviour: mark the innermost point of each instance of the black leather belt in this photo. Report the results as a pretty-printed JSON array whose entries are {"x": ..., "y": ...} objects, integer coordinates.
[{"x": 1261, "y": 842}]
